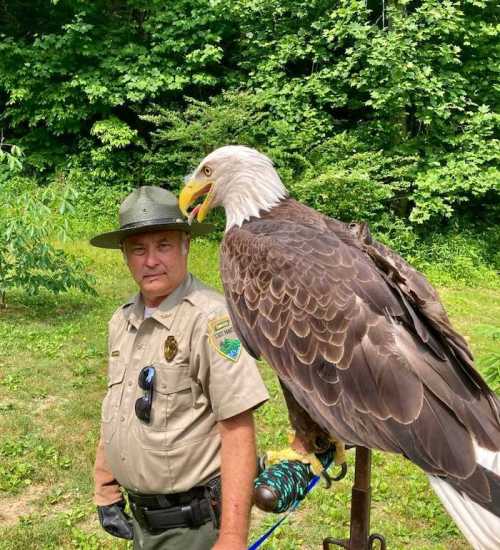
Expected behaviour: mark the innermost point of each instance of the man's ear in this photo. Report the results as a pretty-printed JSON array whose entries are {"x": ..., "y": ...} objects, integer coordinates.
[
  {"x": 124, "y": 254},
  {"x": 186, "y": 243}
]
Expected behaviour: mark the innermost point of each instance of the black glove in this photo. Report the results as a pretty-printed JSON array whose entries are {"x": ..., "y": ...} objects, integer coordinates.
[{"x": 115, "y": 521}]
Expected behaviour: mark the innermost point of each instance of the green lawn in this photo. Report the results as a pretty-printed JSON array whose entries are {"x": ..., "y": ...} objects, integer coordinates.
[{"x": 52, "y": 380}]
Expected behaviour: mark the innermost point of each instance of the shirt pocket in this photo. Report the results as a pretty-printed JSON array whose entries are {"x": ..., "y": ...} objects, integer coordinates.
[
  {"x": 180, "y": 401},
  {"x": 112, "y": 400},
  {"x": 172, "y": 408}
]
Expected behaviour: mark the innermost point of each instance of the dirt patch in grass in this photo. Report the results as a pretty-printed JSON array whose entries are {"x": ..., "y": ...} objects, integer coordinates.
[
  {"x": 23, "y": 504},
  {"x": 45, "y": 403}
]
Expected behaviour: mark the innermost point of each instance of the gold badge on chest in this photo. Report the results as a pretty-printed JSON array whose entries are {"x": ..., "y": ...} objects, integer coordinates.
[{"x": 170, "y": 348}]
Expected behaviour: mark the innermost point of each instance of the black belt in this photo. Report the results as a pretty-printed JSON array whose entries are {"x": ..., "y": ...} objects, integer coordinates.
[
  {"x": 157, "y": 513},
  {"x": 168, "y": 500}
]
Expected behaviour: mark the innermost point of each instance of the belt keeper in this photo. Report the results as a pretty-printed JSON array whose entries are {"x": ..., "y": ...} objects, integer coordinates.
[
  {"x": 196, "y": 512},
  {"x": 138, "y": 513},
  {"x": 187, "y": 514}
]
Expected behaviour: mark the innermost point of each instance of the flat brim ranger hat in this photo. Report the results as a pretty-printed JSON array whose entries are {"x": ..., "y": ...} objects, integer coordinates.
[{"x": 148, "y": 209}]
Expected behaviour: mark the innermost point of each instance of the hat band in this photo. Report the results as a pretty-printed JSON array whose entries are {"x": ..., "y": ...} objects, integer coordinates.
[{"x": 158, "y": 221}]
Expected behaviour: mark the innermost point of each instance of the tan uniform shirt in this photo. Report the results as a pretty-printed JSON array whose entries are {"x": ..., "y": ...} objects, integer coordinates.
[{"x": 203, "y": 375}]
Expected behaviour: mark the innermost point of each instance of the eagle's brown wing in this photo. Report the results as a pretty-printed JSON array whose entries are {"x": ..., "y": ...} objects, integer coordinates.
[
  {"x": 355, "y": 354},
  {"x": 420, "y": 293},
  {"x": 414, "y": 287}
]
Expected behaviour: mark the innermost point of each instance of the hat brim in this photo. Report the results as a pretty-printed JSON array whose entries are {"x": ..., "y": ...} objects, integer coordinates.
[{"x": 114, "y": 239}]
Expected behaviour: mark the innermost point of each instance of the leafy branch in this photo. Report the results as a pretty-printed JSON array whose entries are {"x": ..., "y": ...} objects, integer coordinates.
[{"x": 10, "y": 153}]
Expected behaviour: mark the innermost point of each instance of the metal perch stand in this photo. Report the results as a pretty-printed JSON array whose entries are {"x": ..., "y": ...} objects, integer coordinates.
[{"x": 359, "y": 537}]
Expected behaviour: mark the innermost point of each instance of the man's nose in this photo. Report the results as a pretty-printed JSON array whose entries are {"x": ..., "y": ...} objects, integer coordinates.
[{"x": 152, "y": 258}]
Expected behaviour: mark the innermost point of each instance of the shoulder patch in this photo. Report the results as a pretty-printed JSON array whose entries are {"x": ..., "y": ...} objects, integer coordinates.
[{"x": 223, "y": 339}]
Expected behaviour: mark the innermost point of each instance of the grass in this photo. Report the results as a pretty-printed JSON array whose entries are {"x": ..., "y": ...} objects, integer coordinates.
[{"x": 52, "y": 380}]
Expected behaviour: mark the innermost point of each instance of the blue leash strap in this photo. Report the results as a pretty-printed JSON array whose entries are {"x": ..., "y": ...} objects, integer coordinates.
[{"x": 294, "y": 506}]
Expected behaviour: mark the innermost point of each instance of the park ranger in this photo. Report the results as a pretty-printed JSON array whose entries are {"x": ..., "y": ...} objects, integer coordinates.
[{"x": 177, "y": 416}]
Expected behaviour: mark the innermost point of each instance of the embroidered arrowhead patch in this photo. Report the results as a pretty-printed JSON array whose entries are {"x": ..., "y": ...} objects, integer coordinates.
[{"x": 222, "y": 338}]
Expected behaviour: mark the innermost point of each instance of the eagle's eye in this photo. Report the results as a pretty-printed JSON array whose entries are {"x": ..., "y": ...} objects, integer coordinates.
[{"x": 207, "y": 171}]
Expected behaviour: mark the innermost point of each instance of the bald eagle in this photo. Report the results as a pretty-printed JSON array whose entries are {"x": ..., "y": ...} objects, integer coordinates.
[{"x": 359, "y": 339}]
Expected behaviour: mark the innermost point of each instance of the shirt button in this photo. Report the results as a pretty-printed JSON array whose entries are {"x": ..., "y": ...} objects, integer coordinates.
[
  {"x": 123, "y": 458},
  {"x": 122, "y": 419},
  {"x": 130, "y": 382},
  {"x": 139, "y": 346}
]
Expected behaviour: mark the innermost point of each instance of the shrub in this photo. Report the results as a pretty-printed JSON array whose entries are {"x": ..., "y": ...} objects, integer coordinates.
[
  {"x": 457, "y": 256},
  {"x": 29, "y": 217},
  {"x": 95, "y": 206}
]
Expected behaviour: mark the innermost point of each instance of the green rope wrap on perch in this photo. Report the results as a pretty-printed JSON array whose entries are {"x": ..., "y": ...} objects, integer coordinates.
[{"x": 278, "y": 487}]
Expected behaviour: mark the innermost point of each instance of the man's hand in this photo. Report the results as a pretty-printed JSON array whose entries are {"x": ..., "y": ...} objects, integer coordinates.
[{"x": 115, "y": 521}]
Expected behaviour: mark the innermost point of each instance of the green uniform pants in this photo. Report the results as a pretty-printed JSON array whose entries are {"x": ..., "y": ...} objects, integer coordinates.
[{"x": 181, "y": 538}]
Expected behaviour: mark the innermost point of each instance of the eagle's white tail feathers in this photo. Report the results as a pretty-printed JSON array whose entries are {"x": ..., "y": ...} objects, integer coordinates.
[{"x": 479, "y": 526}]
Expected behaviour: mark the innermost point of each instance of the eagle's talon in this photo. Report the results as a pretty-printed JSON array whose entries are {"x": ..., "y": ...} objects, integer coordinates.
[
  {"x": 328, "y": 480},
  {"x": 342, "y": 474}
]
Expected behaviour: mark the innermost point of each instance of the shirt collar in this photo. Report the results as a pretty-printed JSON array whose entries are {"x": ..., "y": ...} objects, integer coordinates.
[{"x": 165, "y": 312}]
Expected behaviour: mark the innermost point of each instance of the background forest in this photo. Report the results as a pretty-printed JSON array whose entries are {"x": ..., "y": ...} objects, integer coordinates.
[
  {"x": 382, "y": 110},
  {"x": 376, "y": 110}
]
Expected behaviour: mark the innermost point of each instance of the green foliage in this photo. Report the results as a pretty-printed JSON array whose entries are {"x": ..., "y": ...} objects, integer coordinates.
[
  {"x": 344, "y": 193},
  {"x": 463, "y": 254},
  {"x": 469, "y": 172},
  {"x": 95, "y": 206},
  {"x": 28, "y": 220},
  {"x": 460, "y": 257},
  {"x": 327, "y": 85},
  {"x": 490, "y": 363},
  {"x": 10, "y": 154},
  {"x": 229, "y": 118},
  {"x": 113, "y": 133},
  {"x": 74, "y": 66},
  {"x": 388, "y": 116},
  {"x": 346, "y": 180}
]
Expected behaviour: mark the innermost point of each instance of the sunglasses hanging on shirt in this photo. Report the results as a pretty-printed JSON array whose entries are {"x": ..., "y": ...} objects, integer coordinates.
[{"x": 143, "y": 404}]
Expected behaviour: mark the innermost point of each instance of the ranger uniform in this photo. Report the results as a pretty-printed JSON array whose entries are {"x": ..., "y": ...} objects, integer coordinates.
[{"x": 200, "y": 376}]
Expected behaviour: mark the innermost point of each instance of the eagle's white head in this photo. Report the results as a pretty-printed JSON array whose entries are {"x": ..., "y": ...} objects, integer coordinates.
[{"x": 238, "y": 178}]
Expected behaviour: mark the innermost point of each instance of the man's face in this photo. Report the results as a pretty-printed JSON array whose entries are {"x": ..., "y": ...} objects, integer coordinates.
[{"x": 157, "y": 262}]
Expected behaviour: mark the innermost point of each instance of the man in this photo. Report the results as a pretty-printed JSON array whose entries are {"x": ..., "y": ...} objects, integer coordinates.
[{"x": 181, "y": 390}]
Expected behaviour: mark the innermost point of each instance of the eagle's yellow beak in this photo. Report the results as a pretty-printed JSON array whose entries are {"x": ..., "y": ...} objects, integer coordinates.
[{"x": 190, "y": 192}]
